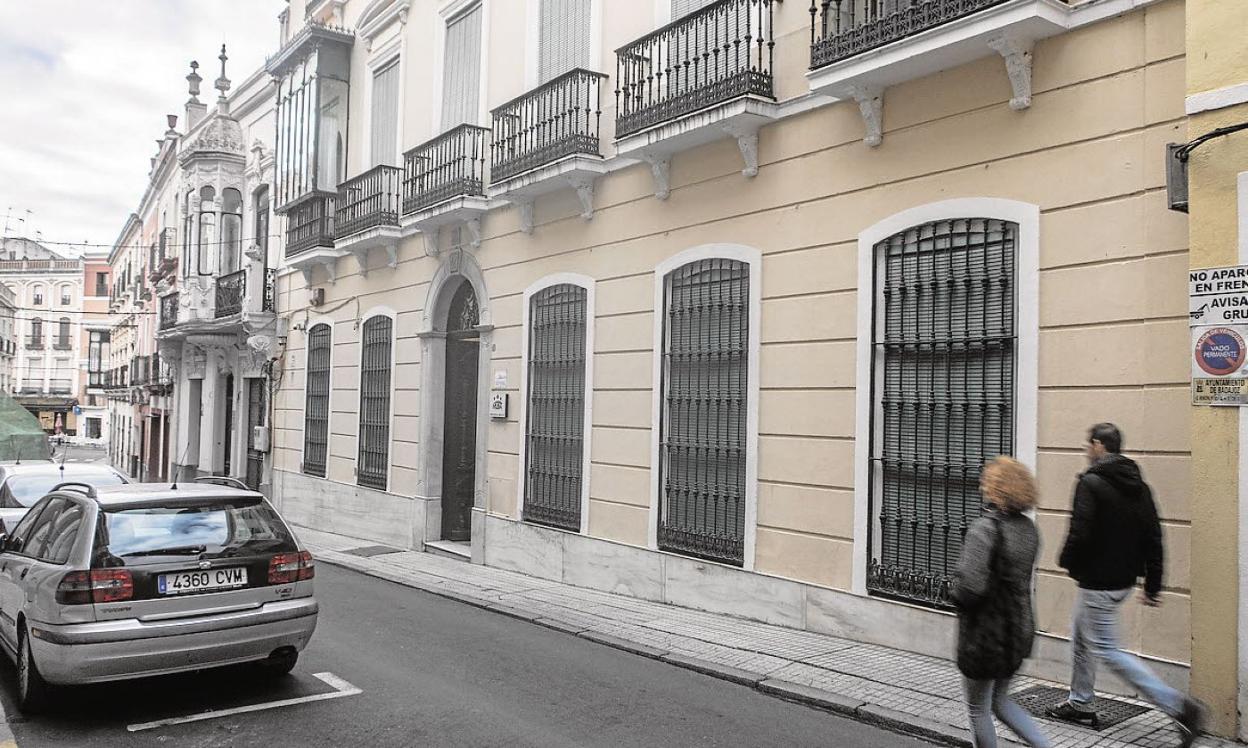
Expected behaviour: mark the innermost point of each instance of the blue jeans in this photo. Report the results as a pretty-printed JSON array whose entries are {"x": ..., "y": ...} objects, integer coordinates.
[
  {"x": 987, "y": 697},
  {"x": 1094, "y": 636}
]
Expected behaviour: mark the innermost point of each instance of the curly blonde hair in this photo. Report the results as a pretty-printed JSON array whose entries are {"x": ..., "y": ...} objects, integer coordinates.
[{"x": 1008, "y": 484}]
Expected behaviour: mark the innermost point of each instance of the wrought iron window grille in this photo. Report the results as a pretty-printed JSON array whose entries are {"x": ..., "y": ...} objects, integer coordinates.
[
  {"x": 373, "y": 461},
  {"x": 316, "y": 403},
  {"x": 717, "y": 53},
  {"x": 555, "y": 420},
  {"x": 558, "y": 119},
  {"x": 702, "y": 445},
  {"x": 944, "y": 358},
  {"x": 168, "y": 310},
  {"x": 229, "y": 294}
]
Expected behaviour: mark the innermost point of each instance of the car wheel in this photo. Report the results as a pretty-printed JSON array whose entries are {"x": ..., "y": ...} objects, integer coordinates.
[
  {"x": 280, "y": 663},
  {"x": 32, "y": 689}
]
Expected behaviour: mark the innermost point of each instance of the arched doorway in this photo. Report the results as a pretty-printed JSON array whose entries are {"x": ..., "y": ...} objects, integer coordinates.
[{"x": 459, "y": 414}]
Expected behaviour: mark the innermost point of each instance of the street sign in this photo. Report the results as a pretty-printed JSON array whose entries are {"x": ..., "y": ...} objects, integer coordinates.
[
  {"x": 1219, "y": 374},
  {"x": 1218, "y": 296}
]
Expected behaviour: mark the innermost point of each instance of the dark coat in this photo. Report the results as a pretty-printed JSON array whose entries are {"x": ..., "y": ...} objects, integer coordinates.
[
  {"x": 1115, "y": 535},
  {"x": 992, "y": 589}
]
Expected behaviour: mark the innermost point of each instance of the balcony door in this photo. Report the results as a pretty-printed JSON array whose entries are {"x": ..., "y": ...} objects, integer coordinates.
[
  {"x": 461, "y": 69},
  {"x": 563, "y": 43},
  {"x": 384, "y": 127}
]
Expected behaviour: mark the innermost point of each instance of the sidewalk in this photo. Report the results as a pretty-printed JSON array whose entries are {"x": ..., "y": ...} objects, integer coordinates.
[{"x": 899, "y": 690}]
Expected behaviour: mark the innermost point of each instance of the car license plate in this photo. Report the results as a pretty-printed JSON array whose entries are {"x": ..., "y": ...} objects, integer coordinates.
[{"x": 201, "y": 580}]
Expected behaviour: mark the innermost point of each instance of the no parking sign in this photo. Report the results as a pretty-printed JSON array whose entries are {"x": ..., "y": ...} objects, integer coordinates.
[{"x": 1218, "y": 372}]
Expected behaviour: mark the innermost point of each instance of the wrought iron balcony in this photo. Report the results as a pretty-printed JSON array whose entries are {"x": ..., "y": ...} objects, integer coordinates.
[
  {"x": 310, "y": 223},
  {"x": 270, "y": 289},
  {"x": 34, "y": 342},
  {"x": 558, "y": 119},
  {"x": 62, "y": 344},
  {"x": 449, "y": 166},
  {"x": 841, "y": 29},
  {"x": 229, "y": 294},
  {"x": 369, "y": 200},
  {"x": 721, "y": 52},
  {"x": 168, "y": 310},
  {"x": 60, "y": 386}
]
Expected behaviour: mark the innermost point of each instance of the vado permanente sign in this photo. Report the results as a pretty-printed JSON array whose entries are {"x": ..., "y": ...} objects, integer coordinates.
[{"x": 1218, "y": 314}]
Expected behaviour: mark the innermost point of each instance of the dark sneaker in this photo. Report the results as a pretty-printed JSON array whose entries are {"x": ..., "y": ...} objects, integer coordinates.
[
  {"x": 1191, "y": 721},
  {"x": 1068, "y": 712}
]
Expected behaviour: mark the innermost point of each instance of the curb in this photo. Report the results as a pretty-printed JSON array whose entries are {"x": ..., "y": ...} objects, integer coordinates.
[{"x": 874, "y": 714}]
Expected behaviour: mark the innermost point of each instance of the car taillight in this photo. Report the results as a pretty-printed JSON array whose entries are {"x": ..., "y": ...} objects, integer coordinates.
[
  {"x": 285, "y": 568},
  {"x": 95, "y": 586}
]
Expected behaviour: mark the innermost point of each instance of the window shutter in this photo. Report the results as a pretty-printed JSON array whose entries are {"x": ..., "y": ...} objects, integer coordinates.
[
  {"x": 945, "y": 341},
  {"x": 316, "y": 405},
  {"x": 685, "y": 7},
  {"x": 385, "y": 116},
  {"x": 702, "y": 447},
  {"x": 555, "y": 423},
  {"x": 373, "y": 460},
  {"x": 564, "y": 41},
  {"x": 461, "y": 77}
]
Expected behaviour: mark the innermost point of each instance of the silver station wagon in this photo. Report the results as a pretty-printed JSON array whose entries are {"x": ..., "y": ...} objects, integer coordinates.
[{"x": 150, "y": 578}]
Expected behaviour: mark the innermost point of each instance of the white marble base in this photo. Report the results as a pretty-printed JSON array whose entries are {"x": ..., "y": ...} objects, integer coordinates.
[{"x": 357, "y": 512}]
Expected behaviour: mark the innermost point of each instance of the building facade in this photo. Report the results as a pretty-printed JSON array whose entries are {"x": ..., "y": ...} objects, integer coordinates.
[
  {"x": 47, "y": 286},
  {"x": 729, "y": 317},
  {"x": 93, "y": 332},
  {"x": 8, "y": 337}
]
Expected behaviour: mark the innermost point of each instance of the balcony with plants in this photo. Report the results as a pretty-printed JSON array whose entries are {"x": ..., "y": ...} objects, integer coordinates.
[
  {"x": 859, "y": 48},
  {"x": 444, "y": 182},
  {"x": 702, "y": 77},
  {"x": 547, "y": 140}
]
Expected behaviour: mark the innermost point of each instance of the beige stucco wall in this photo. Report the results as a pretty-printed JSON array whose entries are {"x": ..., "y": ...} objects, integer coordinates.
[{"x": 1112, "y": 332}]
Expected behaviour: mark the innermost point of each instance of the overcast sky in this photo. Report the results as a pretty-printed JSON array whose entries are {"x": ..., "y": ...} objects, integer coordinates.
[{"x": 86, "y": 86}]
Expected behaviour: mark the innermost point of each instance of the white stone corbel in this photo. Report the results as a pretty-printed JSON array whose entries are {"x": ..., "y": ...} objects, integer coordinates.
[
  {"x": 584, "y": 186},
  {"x": 474, "y": 230},
  {"x": 871, "y": 105},
  {"x": 331, "y": 270},
  {"x": 1017, "y": 54},
  {"x": 392, "y": 256},
  {"x": 307, "y": 274},
  {"x": 431, "y": 242},
  {"x": 525, "y": 207},
  {"x": 747, "y": 142},
  {"x": 361, "y": 259},
  {"x": 661, "y": 170}
]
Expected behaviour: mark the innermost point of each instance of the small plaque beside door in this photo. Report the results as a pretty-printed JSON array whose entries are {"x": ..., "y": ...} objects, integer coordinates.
[{"x": 498, "y": 405}]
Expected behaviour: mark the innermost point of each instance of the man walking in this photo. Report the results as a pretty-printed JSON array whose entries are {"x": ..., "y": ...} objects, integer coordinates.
[{"x": 1114, "y": 538}]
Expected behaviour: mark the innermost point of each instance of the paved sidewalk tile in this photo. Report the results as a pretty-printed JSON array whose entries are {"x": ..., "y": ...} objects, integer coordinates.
[{"x": 900, "y": 689}]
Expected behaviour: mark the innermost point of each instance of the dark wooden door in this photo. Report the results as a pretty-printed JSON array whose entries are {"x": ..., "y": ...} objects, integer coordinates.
[
  {"x": 229, "y": 423},
  {"x": 255, "y": 417},
  {"x": 459, "y": 425}
]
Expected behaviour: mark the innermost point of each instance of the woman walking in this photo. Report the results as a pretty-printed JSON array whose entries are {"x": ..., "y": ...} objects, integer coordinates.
[{"x": 993, "y": 594}]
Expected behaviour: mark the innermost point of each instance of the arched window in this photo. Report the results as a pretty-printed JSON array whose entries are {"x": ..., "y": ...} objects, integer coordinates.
[
  {"x": 231, "y": 229},
  {"x": 373, "y": 461},
  {"x": 207, "y": 230},
  {"x": 554, "y": 418},
  {"x": 704, "y": 437},
  {"x": 66, "y": 295},
  {"x": 943, "y": 360},
  {"x": 316, "y": 401},
  {"x": 36, "y": 294}
]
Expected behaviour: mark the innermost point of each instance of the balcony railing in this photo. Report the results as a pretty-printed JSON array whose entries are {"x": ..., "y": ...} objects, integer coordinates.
[
  {"x": 558, "y": 119},
  {"x": 34, "y": 342},
  {"x": 60, "y": 386},
  {"x": 310, "y": 223},
  {"x": 168, "y": 310},
  {"x": 718, "y": 53},
  {"x": 451, "y": 165},
  {"x": 229, "y": 295},
  {"x": 97, "y": 378},
  {"x": 62, "y": 344},
  {"x": 371, "y": 199},
  {"x": 270, "y": 289},
  {"x": 841, "y": 29}
]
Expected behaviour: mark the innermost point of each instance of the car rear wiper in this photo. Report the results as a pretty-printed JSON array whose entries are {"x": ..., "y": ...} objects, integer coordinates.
[{"x": 179, "y": 550}]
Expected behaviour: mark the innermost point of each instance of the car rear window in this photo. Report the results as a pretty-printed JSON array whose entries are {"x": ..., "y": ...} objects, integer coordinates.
[
  {"x": 29, "y": 488},
  {"x": 245, "y": 527}
]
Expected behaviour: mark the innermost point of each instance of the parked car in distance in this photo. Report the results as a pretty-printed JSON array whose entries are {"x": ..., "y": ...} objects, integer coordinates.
[
  {"x": 126, "y": 581},
  {"x": 23, "y": 484}
]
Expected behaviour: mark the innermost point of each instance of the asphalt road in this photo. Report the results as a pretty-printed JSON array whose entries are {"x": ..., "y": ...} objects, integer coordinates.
[{"x": 435, "y": 672}]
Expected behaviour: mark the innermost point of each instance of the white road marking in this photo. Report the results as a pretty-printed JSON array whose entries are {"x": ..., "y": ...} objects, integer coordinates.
[{"x": 340, "y": 686}]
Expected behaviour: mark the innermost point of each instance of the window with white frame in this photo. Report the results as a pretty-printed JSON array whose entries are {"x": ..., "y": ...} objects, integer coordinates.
[
  {"x": 384, "y": 116},
  {"x": 316, "y": 400},
  {"x": 703, "y": 424},
  {"x": 373, "y": 460},
  {"x": 555, "y": 416},
  {"x": 66, "y": 295},
  {"x": 943, "y": 361},
  {"x": 461, "y": 69},
  {"x": 563, "y": 40}
]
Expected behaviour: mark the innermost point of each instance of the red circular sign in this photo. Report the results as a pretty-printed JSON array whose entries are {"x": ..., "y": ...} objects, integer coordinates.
[{"x": 1220, "y": 351}]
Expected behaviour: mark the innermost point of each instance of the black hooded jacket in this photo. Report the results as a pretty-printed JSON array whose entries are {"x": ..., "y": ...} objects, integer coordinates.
[{"x": 1115, "y": 535}]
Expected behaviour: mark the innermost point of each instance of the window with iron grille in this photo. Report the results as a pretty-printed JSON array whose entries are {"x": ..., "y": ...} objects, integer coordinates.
[
  {"x": 944, "y": 368},
  {"x": 555, "y": 421},
  {"x": 702, "y": 447},
  {"x": 373, "y": 462},
  {"x": 316, "y": 407}
]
